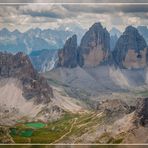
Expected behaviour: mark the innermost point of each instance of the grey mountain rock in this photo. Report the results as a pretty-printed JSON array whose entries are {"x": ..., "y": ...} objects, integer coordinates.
[
  {"x": 130, "y": 50},
  {"x": 19, "y": 67},
  {"x": 142, "y": 111},
  {"x": 94, "y": 46},
  {"x": 68, "y": 54}
]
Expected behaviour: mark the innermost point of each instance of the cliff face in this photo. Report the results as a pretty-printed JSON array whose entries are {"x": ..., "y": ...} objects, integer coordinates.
[
  {"x": 93, "y": 49},
  {"x": 130, "y": 50},
  {"x": 19, "y": 66},
  {"x": 94, "y": 46},
  {"x": 68, "y": 55}
]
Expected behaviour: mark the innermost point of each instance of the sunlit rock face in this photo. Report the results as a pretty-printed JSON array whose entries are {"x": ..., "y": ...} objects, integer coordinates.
[
  {"x": 135, "y": 60},
  {"x": 94, "y": 46},
  {"x": 130, "y": 50}
]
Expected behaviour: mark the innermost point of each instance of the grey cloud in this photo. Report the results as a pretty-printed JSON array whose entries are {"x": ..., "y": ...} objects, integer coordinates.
[
  {"x": 107, "y": 9},
  {"x": 51, "y": 15},
  {"x": 133, "y": 8},
  {"x": 43, "y": 14},
  {"x": 88, "y": 8},
  {"x": 48, "y": 11}
]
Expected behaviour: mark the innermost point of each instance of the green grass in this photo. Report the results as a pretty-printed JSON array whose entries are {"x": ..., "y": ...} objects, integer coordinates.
[
  {"x": 22, "y": 133},
  {"x": 26, "y": 133},
  {"x": 39, "y": 133}
]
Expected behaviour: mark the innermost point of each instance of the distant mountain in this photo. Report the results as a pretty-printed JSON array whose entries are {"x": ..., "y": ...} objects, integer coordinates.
[
  {"x": 43, "y": 60},
  {"x": 143, "y": 30},
  {"x": 131, "y": 49},
  {"x": 114, "y": 31},
  {"x": 113, "y": 41},
  {"x": 32, "y": 40},
  {"x": 75, "y": 28},
  {"x": 114, "y": 35}
]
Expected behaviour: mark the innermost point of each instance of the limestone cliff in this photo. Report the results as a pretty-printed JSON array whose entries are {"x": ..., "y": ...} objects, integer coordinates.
[
  {"x": 130, "y": 50},
  {"x": 94, "y": 46},
  {"x": 68, "y": 54}
]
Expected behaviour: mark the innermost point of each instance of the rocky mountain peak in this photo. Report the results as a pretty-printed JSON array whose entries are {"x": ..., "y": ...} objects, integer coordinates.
[
  {"x": 16, "y": 32},
  {"x": 19, "y": 67},
  {"x": 4, "y": 32},
  {"x": 96, "y": 26},
  {"x": 94, "y": 46},
  {"x": 71, "y": 42},
  {"x": 130, "y": 29},
  {"x": 68, "y": 54},
  {"x": 131, "y": 49}
]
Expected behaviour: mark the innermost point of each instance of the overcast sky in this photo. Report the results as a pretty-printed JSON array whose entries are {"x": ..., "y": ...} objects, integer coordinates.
[{"x": 25, "y": 16}]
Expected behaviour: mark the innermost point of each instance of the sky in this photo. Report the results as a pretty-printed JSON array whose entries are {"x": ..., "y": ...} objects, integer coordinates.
[{"x": 44, "y": 14}]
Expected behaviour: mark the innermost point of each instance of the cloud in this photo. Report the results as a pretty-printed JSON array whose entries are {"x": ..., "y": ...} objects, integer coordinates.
[
  {"x": 107, "y": 9},
  {"x": 23, "y": 16},
  {"x": 48, "y": 11}
]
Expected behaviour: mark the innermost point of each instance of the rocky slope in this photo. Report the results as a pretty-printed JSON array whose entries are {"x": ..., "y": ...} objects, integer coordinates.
[
  {"x": 137, "y": 133},
  {"x": 94, "y": 46},
  {"x": 26, "y": 94},
  {"x": 104, "y": 79},
  {"x": 130, "y": 50},
  {"x": 68, "y": 55},
  {"x": 19, "y": 67},
  {"x": 142, "y": 112}
]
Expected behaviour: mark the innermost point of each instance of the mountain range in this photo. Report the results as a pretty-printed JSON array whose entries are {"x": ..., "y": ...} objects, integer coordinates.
[
  {"x": 32, "y": 40},
  {"x": 130, "y": 50},
  {"x": 87, "y": 91}
]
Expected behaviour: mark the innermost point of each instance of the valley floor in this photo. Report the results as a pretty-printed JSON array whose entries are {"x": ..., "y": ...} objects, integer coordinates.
[{"x": 92, "y": 127}]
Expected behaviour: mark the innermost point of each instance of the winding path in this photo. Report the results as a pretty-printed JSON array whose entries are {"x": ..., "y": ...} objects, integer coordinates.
[{"x": 75, "y": 120}]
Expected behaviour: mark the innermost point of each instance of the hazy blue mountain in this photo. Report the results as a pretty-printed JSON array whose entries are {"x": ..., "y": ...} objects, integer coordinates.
[
  {"x": 114, "y": 31},
  {"x": 114, "y": 35},
  {"x": 43, "y": 60},
  {"x": 75, "y": 28},
  {"x": 32, "y": 40},
  {"x": 113, "y": 41},
  {"x": 143, "y": 30}
]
